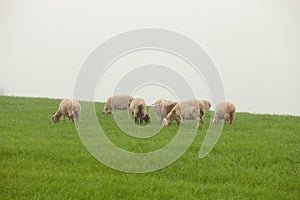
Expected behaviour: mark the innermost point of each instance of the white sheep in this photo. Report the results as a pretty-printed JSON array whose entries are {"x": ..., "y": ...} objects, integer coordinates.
[
  {"x": 162, "y": 107},
  {"x": 138, "y": 110},
  {"x": 191, "y": 109},
  {"x": 67, "y": 108},
  {"x": 117, "y": 102},
  {"x": 225, "y": 111}
]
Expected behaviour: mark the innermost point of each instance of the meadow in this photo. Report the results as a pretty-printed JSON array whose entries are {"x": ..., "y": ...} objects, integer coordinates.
[{"x": 258, "y": 157}]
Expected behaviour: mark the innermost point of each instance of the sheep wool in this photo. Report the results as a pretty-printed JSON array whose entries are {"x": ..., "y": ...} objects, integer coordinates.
[
  {"x": 225, "y": 111},
  {"x": 67, "y": 108}
]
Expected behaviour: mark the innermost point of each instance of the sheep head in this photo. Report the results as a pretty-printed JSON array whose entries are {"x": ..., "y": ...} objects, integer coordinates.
[
  {"x": 170, "y": 117},
  {"x": 55, "y": 118},
  {"x": 146, "y": 118}
]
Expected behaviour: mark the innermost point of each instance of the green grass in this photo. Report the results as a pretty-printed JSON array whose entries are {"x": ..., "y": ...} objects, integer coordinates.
[{"x": 258, "y": 157}]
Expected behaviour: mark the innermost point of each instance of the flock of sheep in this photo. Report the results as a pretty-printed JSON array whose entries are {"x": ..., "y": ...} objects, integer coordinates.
[{"x": 166, "y": 110}]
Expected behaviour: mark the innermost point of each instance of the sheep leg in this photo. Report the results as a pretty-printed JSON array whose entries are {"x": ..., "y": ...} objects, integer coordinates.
[
  {"x": 227, "y": 117},
  {"x": 231, "y": 117},
  {"x": 178, "y": 121},
  {"x": 136, "y": 120},
  {"x": 198, "y": 124},
  {"x": 128, "y": 113},
  {"x": 181, "y": 121},
  {"x": 200, "y": 119}
]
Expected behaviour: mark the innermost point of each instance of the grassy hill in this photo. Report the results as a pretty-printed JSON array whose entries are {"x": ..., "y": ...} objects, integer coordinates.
[{"x": 258, "y": 157}]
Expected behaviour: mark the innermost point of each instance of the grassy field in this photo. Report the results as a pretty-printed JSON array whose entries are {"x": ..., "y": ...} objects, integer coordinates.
[{"x": 258, "y": 157}]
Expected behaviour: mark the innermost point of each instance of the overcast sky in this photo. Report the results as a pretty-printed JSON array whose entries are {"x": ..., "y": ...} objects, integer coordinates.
[{"x": 254, "y": 44}]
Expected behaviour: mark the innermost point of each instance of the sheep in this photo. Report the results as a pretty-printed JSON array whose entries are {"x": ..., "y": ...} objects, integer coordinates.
[
  {"x": 207, "y": 104},
  {"x": 191, "y": 109},
  {"x": 138, "y": 110},
  {"x": 162, "y": 107},
  {"x": 225, "y": 111},
  {"x": 118, "y": 102},
  {"x": 67, "y": 108}
]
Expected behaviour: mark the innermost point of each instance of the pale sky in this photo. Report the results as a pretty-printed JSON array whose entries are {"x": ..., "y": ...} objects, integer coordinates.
[{"x": 254, "y": 44}]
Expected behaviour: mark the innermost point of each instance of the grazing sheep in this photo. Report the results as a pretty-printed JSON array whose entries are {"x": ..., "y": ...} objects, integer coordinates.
[
  {"x": 138, "y": 110},
  {"x": 225, "y": 111},
  {"x": 162, "y": 107},
  {"x": 67, "y": 108},
  {"x": 118, "y": 102},
  {"x": 207, "y": 104},
  {"x": 191, "y": 109}
]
